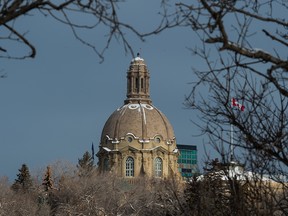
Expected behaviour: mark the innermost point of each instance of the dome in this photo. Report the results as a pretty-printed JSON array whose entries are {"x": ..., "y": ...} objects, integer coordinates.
[
  {"x": 141, "y": 120},
  {"x": 137, "y": 139}
]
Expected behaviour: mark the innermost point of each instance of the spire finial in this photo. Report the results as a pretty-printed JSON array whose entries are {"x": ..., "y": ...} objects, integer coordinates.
[{"x": 138, "y": 54}]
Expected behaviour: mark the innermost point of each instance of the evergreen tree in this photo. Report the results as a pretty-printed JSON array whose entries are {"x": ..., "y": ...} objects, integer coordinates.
[
  {"x": 47, "y": 181},
  {"x": 85, "y": 164},
  {"x": 23, "y": 181}
]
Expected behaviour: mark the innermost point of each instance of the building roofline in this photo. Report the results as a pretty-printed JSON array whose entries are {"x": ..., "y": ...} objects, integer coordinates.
[{"x": 189, "y": 147}]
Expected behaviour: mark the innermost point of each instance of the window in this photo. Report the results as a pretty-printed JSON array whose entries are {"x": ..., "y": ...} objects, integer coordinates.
[
  {"x": 129, "y": 167},
  {"x": 157, "y": 139},
  {"x": 158, "y": 167},
  {"x": 129, "y": 87},
  {"x": 186, "y": 170},
  {"x": 137, "y": 85},
  {"x": 129, "y": 139},
  {"x": 142, "y": 84},
  {"x": 184, "y": 161}
]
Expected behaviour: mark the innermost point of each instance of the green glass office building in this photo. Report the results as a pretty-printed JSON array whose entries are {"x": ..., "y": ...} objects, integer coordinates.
[{"x": 187, "y": 161}]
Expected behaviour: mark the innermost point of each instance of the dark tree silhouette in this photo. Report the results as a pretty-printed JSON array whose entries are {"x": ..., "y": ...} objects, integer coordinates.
[
  {"x": 23, "y": 182},
  {"x": 85, "y": 164},
  {"x": 48, "y": 181}
]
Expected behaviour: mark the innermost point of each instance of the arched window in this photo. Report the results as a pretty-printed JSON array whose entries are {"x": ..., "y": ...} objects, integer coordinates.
[
  {"x": 137, "y": 84},
  {"x": 158, "y": 167},
  {"x": 142, "y": 84},
  {"x": 129, "y": 167}
]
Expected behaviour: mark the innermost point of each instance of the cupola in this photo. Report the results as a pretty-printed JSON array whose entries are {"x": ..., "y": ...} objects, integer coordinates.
[{"x": 138, "y": 82}]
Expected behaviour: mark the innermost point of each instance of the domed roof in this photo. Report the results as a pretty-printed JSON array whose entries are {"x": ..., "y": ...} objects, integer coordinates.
[
  {"x": 143, "y": 121},
  {"x": 137, "y": 117}
]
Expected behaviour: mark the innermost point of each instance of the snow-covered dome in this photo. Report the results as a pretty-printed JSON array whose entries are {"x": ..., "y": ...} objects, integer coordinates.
[{"x": 141, "y": 120}]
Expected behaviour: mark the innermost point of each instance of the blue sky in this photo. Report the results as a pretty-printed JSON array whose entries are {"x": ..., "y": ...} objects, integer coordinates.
[{"x": 54, "y": 106}]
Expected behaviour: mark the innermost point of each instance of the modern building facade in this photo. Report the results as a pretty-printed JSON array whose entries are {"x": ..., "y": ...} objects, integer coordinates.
[
  {"x": 187, "y": 161},
  {"x": 137, "y": 139}
]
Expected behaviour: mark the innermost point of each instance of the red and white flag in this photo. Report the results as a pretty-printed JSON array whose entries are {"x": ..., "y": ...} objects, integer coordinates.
[{"x": 235, "y": 103}]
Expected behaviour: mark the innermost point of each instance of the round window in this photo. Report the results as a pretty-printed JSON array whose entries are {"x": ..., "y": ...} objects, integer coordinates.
[
  {"x": 129, "y": 139},
  {"x": 157, "y": 140}
]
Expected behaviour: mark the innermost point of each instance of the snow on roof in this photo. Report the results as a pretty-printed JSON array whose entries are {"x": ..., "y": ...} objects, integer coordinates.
[
  {"x": 236, "y": 173},
  {"x": 138, "y": 106},
  {"x": 144, "y": 115},
  {"x": 137, "y": 59},
  {"x": 106, "y": 149},
  {"x": 144, "y": 141}
]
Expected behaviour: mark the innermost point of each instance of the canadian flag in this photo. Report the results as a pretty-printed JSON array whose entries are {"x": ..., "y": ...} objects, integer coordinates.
[{"x": 234, "y": 103}]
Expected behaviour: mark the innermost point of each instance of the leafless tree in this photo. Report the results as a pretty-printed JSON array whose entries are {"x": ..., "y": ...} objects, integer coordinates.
[
  {"x": 96, "y": 13},
  {"x": 15, "y": 203},
  {"x": 105, "y": 194},
  {"x": 244, "y": 57},
  {"x": 225, "y": 194},
  {"x": 94, "y": 194},
  {"x": 243, "y": 50}
]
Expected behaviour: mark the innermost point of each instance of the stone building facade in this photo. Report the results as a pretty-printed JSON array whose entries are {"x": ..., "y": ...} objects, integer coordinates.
[{"x": 137, "y": 139}]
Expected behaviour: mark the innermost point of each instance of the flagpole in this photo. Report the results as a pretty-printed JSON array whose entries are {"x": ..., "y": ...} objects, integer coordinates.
[
  {"x": 231, "y": 143},
  {"x": 234, "y": 103},
  {"x": 92, "y": 147}
]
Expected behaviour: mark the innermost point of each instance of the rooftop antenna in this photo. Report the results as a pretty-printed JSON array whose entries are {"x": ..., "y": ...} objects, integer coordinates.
[{"x": 138, "y": 54}]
